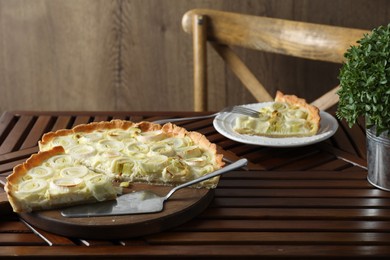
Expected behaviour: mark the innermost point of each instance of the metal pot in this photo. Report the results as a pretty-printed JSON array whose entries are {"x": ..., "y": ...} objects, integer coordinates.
[{"x": 378, "y": 159}]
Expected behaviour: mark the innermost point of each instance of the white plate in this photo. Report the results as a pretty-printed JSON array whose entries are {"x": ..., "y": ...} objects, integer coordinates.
[{"x": 224, "y": 124}]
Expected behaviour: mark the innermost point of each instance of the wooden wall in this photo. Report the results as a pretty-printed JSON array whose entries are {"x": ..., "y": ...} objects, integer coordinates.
[{"x": 134, "y": 55}]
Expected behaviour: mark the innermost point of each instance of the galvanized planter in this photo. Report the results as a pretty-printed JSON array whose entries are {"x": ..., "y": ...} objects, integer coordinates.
[{"x": 378, "y": 159}]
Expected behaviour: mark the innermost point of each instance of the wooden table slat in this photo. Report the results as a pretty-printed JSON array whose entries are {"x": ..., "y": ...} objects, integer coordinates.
[
  {"x": 50, "y": 238},
  {"x": 13, "y": 226},
  {"x": 237, "y": 225},
  {"x": 273, "y": 250},
  {"x": 373, "y": 203},
  {"x": 36, "y": 132},
  {"x": 365, "y": 214},
  {"x": 356, "y": 133},
  {"x": 300, "y": 193},
  {"x": 101, "y": 118},
  {"x": 335, "y": 165},
  {"x": 82, "y": 120},
  {"x": 340, "y": 153},
  {"x": 6, "y": 122},
  {"x": 19, "y": 154},
  {"x": 12, "y": 141},
  {"x": 7, "y": 167},
  {"x": 62, "y": 122},
  {"x": 344, "y": 136},
  {"x": 8, "y": 239},
  {"x": 291, "y": 238},
  {"x": 296, "y": 175},
  {"x": 316, "y": 159},
  {"x": 297, "y": 184}
]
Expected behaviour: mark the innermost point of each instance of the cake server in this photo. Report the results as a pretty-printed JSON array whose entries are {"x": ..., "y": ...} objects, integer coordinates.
[{"x": 139, "y": 201}]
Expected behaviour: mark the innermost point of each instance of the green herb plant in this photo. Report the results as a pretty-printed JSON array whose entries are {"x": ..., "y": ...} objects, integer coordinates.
[{"x": 365, "y": 81}]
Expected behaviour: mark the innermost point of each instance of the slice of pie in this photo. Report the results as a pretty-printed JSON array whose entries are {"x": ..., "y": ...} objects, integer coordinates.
[
  {"x": 287, "y": 116},
  {"x": 53, "y": 179},
  {"x": 106, "y": 152}
]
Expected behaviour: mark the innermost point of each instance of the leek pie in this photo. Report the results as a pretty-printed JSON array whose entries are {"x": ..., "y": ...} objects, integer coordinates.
[
  {"x": 287, "y": 116},
  {"x": 92, "y": 162}
]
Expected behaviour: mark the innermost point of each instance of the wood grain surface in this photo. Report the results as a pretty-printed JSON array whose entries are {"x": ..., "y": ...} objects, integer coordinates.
[{"x": 134, "y": 55}]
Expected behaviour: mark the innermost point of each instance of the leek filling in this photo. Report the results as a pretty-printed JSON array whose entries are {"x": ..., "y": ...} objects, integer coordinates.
[
  {"x": 279, "y": 119},
  {"x": 176, "y": 171},
  {"x": 74, "y": 171},
  {"x": 110, "y": 145},
  {"x": 89, "y": 137},
  {"x": 40, "y": 172},
  {"x": 100, "y": 187},
  {"x": 43, "y": 186},
  {"x": 133, "y": 155},
  {"x": 94, "y": 160},
  {"x": 82, "y": 151},
  {"x": 60, "y": 161},
  {"x": 64, "y": 141},
  {"x": 32, "y": 187}
]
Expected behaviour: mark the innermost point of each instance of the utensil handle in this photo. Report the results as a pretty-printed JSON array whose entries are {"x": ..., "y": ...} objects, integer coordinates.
[
  {"x": 163, "y": 121},
  {"x": 230, "y": 167}
]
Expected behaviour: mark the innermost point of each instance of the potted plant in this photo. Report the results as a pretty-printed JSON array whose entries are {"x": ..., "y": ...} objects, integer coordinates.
[{"x": 365, "y": 91}]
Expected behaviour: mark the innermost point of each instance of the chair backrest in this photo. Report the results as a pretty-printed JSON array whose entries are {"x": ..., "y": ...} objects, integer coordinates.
[{"x": 298, "y": 39}]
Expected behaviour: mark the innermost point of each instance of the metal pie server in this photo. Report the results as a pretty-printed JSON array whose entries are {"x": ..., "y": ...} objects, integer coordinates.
[{"x": 140, "y": 201}]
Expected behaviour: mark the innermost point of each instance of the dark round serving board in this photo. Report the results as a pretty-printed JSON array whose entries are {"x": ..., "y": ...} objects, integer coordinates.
[{"x": 184, "y": 205}]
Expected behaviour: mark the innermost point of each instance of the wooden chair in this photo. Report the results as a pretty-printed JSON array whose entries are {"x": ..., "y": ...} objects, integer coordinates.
[{"x": 299, "y": 39}]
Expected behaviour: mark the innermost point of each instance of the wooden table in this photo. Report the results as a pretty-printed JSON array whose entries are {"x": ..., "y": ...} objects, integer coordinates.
[{"x": 291, "y": 202}]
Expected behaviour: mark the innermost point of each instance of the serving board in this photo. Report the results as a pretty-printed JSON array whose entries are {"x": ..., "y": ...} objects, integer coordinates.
[{"x": 184, "y": 205}]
